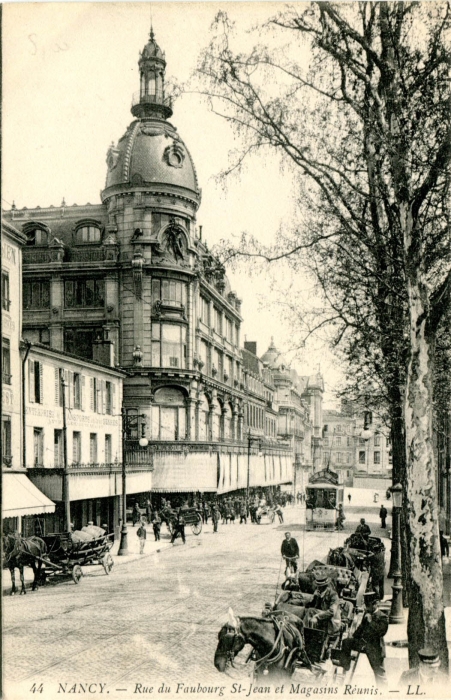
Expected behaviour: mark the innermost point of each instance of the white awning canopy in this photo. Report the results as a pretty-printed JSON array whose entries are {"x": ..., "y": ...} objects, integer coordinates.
[{"x": 21, "y": 497}]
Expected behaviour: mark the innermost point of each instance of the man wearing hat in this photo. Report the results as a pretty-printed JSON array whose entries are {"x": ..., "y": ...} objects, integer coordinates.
[
  {"x": 323, "y": 611},
  {"x": 290, "y": 550},
  {"x": 369, "y": 638},
  {"x": 428, "y": 672}
]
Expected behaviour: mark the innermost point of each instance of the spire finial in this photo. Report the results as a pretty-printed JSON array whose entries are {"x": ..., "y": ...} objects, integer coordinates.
[{"x": 151, "y": 35}]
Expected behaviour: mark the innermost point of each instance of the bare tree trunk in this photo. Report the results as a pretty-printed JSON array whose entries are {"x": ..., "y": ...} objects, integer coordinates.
[{"x": 426, "y": 623}]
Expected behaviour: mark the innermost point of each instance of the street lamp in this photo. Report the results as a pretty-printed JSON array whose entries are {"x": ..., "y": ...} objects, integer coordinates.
[
  {"x": 366, "y": 434},
  {"x": 250, "y": 438},
  {"x": 129, "y": 422},
  {"x": 396, "y": 612}
]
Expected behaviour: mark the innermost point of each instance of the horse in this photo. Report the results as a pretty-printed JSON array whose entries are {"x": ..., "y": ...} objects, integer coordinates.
[
  {"x": 19, "y": 552},
  {"x": 277, "y": 643},
  {"x": 340, "y": 557}
]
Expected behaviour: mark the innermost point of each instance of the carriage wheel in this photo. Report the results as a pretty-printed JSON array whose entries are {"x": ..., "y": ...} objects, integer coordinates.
[
  {"x": 77, "y": 573},
  {"x": 197, "y": 527},
  {"x": 107, "y": 563}
]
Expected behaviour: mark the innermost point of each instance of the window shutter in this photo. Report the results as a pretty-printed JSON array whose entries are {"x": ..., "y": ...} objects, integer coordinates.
[
  {"x": 103, "y": 396},
  {"x": 31, "y": 381},
  {"x": 113, "y": 398},
  {"x": 82, "y": 394},
  {"x": 57, "y": 386},
  {"x": 70, "y": 390},
  {"x": 91, "y": 381},
  {"x": 41, "y": 384}
]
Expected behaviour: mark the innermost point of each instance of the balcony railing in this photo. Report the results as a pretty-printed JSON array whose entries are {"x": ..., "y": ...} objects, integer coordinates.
[
  {"x": 155, "y": 99},
  {"x": 94, "y": 254}
]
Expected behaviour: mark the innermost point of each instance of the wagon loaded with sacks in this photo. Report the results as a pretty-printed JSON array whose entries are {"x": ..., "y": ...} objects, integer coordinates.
[{"x": 67, "y": 552}]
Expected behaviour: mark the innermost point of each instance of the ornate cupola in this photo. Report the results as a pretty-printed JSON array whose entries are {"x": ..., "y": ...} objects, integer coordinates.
[{"x": 150, "y": 101}]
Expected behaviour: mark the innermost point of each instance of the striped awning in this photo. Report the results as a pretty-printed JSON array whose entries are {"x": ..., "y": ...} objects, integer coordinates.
[{"x": 21, "y": 497}]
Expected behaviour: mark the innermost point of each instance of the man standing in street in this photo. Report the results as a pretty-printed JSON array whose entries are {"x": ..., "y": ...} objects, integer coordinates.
[
  {"x": 369, "y": 638},
  {"x": 142, "y": 534},
  {"x": 383, "y": 512},
  {"x": 156, "y": 524},
  {"x": 290, "y": 550},
  {"x": 179, "y": 529},
  {"x": 215, "y": 515}
]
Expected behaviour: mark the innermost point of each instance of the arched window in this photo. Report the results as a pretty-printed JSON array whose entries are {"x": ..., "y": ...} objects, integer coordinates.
[
  {"x": 227, "y": 418},
  {"x": 216, "y": 421},
  {"x": 37, "y": 236},
  {"x": 168, "y": 414},
  {"x": 88, "y": 233},
  {"x": 204, "y": 412}
]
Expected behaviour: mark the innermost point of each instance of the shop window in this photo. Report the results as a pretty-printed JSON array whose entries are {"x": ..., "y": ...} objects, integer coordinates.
[
  {"x": 6, "y": 441},
  {"x": 84, "y": 293},
  {"x": 6, "y": 361},
  {"x": 6, "y": 300},
  {"x": 36, "y": 294}
]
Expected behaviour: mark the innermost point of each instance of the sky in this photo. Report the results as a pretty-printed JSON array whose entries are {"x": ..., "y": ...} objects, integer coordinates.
[{"x": 69, "y": 73}]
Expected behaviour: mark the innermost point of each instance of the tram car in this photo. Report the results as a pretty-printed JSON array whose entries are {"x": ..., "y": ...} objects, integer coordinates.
[{"x": 323, "y": 495}]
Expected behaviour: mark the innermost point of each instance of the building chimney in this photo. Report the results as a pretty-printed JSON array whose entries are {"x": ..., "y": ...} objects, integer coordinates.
[{"x": 251, "y": 346}]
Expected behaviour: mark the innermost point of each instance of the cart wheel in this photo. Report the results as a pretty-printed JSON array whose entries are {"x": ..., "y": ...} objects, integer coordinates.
[
  {"x": 197, "y": 527},
  {"x": 77, "y": 573},
  {"x": 107, "y": 563}
]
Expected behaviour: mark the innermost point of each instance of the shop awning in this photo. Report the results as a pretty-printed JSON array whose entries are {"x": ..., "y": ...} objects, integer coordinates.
[{"x": 21, "y": 497}]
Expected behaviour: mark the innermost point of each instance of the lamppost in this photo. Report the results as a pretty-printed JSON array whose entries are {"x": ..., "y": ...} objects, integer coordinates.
[
  {"x": 129, "y": 422},
  {"x": 396, "y": 611}
]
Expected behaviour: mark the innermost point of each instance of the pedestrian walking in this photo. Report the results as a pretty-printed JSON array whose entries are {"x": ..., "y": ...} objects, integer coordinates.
[
  {"x": 148, "y": 510},
  {"x": 142, "y": 534},
  {"x": 215, "y": 515},
  {"x": 136, "y": 515},
  {"x": 349, "y": 498},
  {"x": 156, "y": 524},
  {"x": 340, "y": 517},
  {"x": 179, "y": 529},
  {"x": 243, "y": 514},
  {"x": 383, "y": 512},
  {"x": 279, "y": 512}
]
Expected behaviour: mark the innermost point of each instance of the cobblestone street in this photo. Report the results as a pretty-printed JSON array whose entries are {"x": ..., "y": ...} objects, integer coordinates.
[{"x": 155, "y": 619}]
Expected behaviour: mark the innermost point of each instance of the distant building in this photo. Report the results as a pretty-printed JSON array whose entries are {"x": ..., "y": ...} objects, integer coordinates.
[{"x": 339, "y": 444}]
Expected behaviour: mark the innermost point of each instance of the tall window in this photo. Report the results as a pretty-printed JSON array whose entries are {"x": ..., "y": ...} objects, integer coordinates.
[
  {"x": 337, "y": 441},
  {"x": 6, "y": 441},
  {"x": 6, "y": 361},
  {"x": 95, "y": 398},
  {"x": 76, "y": 390},
  {"x": 362, "y": 457},
  {"x": 204, "y": 311},
  {"x": 93, "y": 448},
  {"x": 38, "y": 447},
  {"x": 58, "y": 448},
  {"x": 108, "y": 449},
  {"x": 217, "y": 320},
  {"x": 35, "y": 381},
  {"x": 169, "y": 292},
  {"x": 377, "y": 441},
  {"x": 108, "y": 398},
  {"x": 6, "y": 301},
  {"x": 76, "y": 447},
  {"x": 377, "y": 457},
  {"x": 88, "y": 234},
  {"x": 84, "y": 292},
  {"x": 168, "y": 345},
  {"x": 36, "y": 294}
]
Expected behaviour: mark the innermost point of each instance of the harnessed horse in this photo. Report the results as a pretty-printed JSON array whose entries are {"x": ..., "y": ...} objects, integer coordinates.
[
  {"x": 277, "y": 643},
  {"x": 19, "y": 552}
]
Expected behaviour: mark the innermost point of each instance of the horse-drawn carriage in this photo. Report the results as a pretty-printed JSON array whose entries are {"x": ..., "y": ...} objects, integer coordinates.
[
  {"x": 65, "y": 555},
  {"x": 281, "y": 642},
  {"x": 59, "y": 554},
  {"x": 192, "y": 517}
]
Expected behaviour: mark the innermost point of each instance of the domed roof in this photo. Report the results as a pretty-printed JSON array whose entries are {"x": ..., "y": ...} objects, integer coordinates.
[
  {"x": 273, "y": 358},
  {"x": 151, "y": 49},
  {"x": 151, "y": 153}
]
